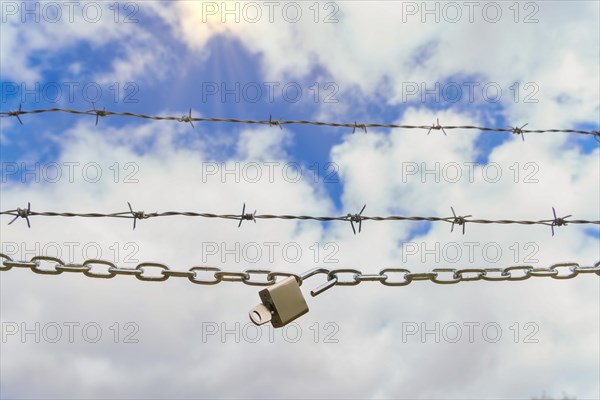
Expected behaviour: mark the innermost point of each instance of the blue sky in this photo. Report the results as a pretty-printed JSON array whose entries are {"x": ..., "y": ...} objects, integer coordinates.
[{"x": 226, "y": 63}]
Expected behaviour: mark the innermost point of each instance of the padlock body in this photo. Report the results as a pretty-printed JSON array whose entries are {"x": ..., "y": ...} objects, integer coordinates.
[{"x": 286, "y": 301}]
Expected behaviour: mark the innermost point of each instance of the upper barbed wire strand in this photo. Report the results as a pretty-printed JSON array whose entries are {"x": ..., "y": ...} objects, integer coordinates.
[{"x": 270, "y": 122}]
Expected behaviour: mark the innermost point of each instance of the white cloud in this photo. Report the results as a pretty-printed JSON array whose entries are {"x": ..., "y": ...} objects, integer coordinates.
[
  {"x": 373, "y": 40},
  {"x": 30, "y": 44},
  {"x": 172, "y": 316}
]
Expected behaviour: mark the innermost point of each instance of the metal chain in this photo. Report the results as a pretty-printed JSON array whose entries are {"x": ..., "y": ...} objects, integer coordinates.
[
  {"x": 158, "y": 272},
  {"x": 146, "y": 271},
  {"x": 97, "y": 113}
]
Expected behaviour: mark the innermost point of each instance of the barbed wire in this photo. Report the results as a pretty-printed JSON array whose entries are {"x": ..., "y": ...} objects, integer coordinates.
[
  {"x": 188, "y": 118},
  {"x": 251, "y": 277},
  {"x": 460, "y": 220}
]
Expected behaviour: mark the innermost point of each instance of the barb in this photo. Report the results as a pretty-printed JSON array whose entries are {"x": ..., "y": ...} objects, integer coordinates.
[
  {"x": 15, "y": 113},
  {"x": 358, "y": 218},
  {"x": 248, "y": 217},
  {"x": 99, "y": 113},
  {"x": 23, "y": 213},
  {"x": 362, "y": 127},
  {"x": 187, "y": 118},
  {"x": 519, "y": 131},
  {"x": 459, "y": 220},
  {"x": 253, "y": 277},
  {"x": 280, "y": 123},
  {"x": 274, "y": 123},
  {"x": 137, "y": 215},
  {"x": 437, "y": 126},
  {"x": 558, "y": 221}
]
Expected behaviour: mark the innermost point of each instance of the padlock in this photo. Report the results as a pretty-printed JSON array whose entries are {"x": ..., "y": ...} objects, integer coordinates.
[{"x": 281, "y": 304}]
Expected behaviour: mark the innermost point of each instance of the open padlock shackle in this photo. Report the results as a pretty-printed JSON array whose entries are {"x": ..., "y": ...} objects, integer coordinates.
[
  {"x": 283, "y": 302},
  {"x": 327, "y": 285}
]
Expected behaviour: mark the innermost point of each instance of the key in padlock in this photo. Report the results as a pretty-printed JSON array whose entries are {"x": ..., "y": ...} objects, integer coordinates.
[{"x": 281, "y": 304}]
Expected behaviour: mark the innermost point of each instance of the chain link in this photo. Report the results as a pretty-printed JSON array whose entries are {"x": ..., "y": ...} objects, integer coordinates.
[
  {"x": 572, "y": 268},
  {"x": 460, "y": 274},
  {"x": 232, "y": 276},
  {"x": 588, "y": 270},
  {"x": 38, "y": 259},
  {"x": 352, "y": 282},
  {"x": 72, "y": 268},
  {"x": 205, "y": 282},
  {"x": 272, "y": 275},
  {"x": 453, "y": 279},
  {"x": 147, "y": 277},
  {"x": 249, "y": 272},
  {"x": 110, "y": 271},
  {"x": 403, "y": 271},
  {"x": 488, "y": 274},
  {"x": 526, "y": 269},
  {"x": 158, "y": 272}
]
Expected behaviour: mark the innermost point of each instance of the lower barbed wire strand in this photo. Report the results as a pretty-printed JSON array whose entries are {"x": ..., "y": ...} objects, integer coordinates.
[{"x": 461, "y": 220}]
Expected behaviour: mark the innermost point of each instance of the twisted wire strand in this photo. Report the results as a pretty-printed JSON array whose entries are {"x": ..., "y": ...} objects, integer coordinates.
[
  {"x": 363, "y": 126},
  {"x": 459, "y": 220}
]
